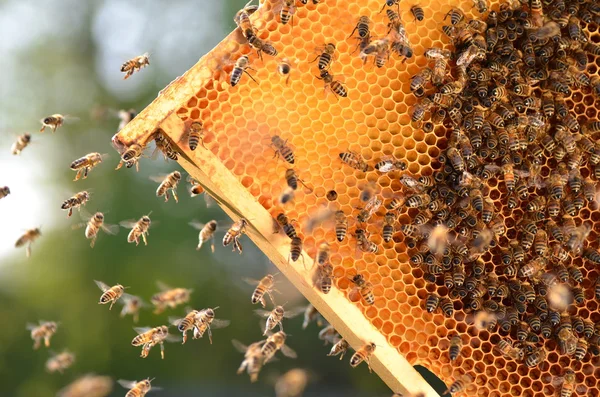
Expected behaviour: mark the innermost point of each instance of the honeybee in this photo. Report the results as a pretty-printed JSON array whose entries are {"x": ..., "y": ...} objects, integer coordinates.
[
  {"x": 275, "y": 343},
  {"x": 567, "y": 381},
  {"x": 207, "y": 232},
  {"x": 388, "y": 227},
  {"x": 54, "y": 121},
  {"x": 138, "y": 229},
  {"x": 282, "y": 149},
  {"x": 260, "y": 45},
  {"x": 380, "y": 49},
  {"x": 363, "y": 242},
  {"x": 296, "y": 250},
  {"x": 456, "y": 16},
  {"x": 59, "y": 362},
  {"x": 242, "y": 17},
  {"x": 242, "y": 65},
  {"x": 89, "y": 385},
  {"x": 576, "y": 238},
  {"x": 285, "y": 69},
  {"x": 150, "y": 337},
  {"x": 168, "y": 182},
  {"x": 131, "y": 156},
  {"x": 536, "y": 357},
  {"x": 508, "y": 350},
  {"x": 417, "y": 12},
  {"x": 196, "y": 135},
  {"x": 135, "y": 64},
  {"x": 28, "y": 238},
  {"x": 22, "y": 142},
  {"x": 455, "y": 347},
  {"x": 287, "y": 9},
  {"x": 4, "y": 191},
  {"x": 418, "y": 81},
  {"x": 45, "y": 330},
  {"x": 363, "y": 26},
  {"x": 341, "y": 225},
  {"x": 469, "y": 55},
  {"x": 125, "y": 116},
  {"x": 339, "y": 348},
  {"x": 363, "y": 287},
  {"x": 549, "y": 30},
  {"x": 354, "y": 160},
  {"x": 481, "y": 5},
  {"x": 275, "y": 317},
  {"x": 164, "y": 146},
  {"x": 292, "y": 383},
  {"x": 109, "y": 294},
  {"x": 169, "y": 297},
  {"x": 459, "y": 385},
  {"x": 264, "y": 286},
  {"x": 326, "y": 54},
  {"x": 333, "y": 85},
  {"x": 324, "y": 277},
  {"x": 137, "y": 389},
  {"x": 85, "y": 164},
  {"x": 371, "y": 207},
  {"x": 234, "y": 233},
  {"x": 131, "y": 305},
  {"x": 200, "y": 321},
  {"x": 311, "y": 314},
  {"x": 363, "y": 354},
  {"x": 253, "y": 358},
  {"x": 77, "y": 201},
  {"x": 322, "y": 254}
]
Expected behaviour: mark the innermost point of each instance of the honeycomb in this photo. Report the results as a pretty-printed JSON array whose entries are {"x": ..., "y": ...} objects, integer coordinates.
[{"x": 240, "y": 170}]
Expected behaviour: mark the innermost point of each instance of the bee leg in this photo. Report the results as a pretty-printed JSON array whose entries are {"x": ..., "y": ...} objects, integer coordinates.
[
  {"x": 184, "y": 337},
  {"x": 166, "y": 196},
  {"x": 303, "y": 262},
  {"x": 162, "y": 351},
  {"x": 175, "y": 195},
  {"x": 209, "y": 334},
  {"x": 245, "y": 71},
  {"x": 47, "y": 341},
  {"x": 137, "y": 167},
  {"x": 136, "y": 317},
  {"x": 111, "y": 304},
  {"x": 93, "y": 242},
  {"x": 120, "y": 165},
  {"x": 144, "y": 238},
  {"x": 70, "y": 212},
  {"x": 37, "y": 344},
  {"x": 77, "y": 175},
  {"x": 28, "y": 250},
  {"x": 212, "y": 244},
  {"x": 368, "y": 361},
  {"x": 85, "y": 172}
]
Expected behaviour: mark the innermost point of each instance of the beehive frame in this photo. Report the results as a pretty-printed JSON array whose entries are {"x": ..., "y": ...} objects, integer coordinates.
[{"x": 374, "y": 121}]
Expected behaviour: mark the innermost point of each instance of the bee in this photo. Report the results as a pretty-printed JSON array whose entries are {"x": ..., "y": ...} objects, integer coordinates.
[
  {"x": 242, "y": 17},
  {"x": 455, "y": 347},
  {"x": 363, "y": 27},
  {"x": 196, "y": 135},
  {"x": 371, "y": 207},
  {"x": 354, "y": 160},
  {"x": 322, "y": 254},
  {"x": 363, "y": 242},
  {"x": 125, "y": 116},
  {"x": 419, "y": 80},
  {"x": 275, "y": 317},
  {"x": 459, "y": 385},
  {"x": 296, "y": 250},
  {"x": 540, "y": 243},
  {"x": 4, "y": 191},
  {"x": 242, "y": 65},
  {"x": 324, "y": 278},
  {"x": 88, "y": 385},
  {"x": 287, "y": 11},
  {"x": 339, "y": 348},
  {"x": 168, "y": 182},
  {"x": 456, "y": 16},
  {"x": 200, "y": 321},
  {"x": 568, "y": 383},
  {"x": 275, "y": 343},
  {"x": 207, "y": 232},
  {"x": 420, "y": 109},
  {"x": 54, "y": 121},
  {"x": 131, "y": 157},
  {"x": 253, "y": 358},
  {"x": 109, "y": 294},
  {"x": 28, "y": 238},
  {"x": 234, "y": 233},
  {"x": 135, "y": 64},
  {"x": 363, "y": 354},
  {"x": 150, "y": 337},
  {"x": 286, "y": 225},
  {"x": 131, "y": 305},
  {"x": 334, "y": 85},
  {"x": 163, "y": 145},
  {"x": 311, "y": 314},
  {"x": 432, "y": 302},
  {"x": 77, "y": 201},
  {"x": 577, "y": 237},
  {"x": 326, "y": 56},
  {"x": 387, "y": 164},
  {"x": 45, "y": 330},
  {"x": 417, "y": 12},
  {"x": 138, "y": 229},
  {"x": 341, "y": 225},
  {"x": 85, "y": 164},
  {"x": 364, "y": 287},
  {"x": 285, "y": 69},
  {"x": 169, "y": 297},
  {"x": 456, "y": 159},
  {"x": 60, "y": 362},
  {"x": 264, "y": 286},
  {"x": 481, "y": 5},
  {"x": 388, "y": 227},
  {"x": 22, "y": 142},
  {"x": 283, "y": 150},
  {"x": 536, "y": 357}
]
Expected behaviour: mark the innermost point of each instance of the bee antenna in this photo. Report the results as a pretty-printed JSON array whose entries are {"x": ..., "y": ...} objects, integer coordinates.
[{"x": 215, "y": 308}]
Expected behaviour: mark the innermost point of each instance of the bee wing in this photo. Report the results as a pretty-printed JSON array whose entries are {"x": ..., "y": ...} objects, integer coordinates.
[
  {"x": 162, "y": 286},
  {"x": 110, "y": 229},
  {"x": 158, "y": 178},
  {"x": 291, "y": 313},
  {"x": 209, "y": 200},
  {"x": 288, "y": 351},
  {"x": 251, "y": 281},
  {"x": 141, "y": 330},
  {"x": 85, "y": 215},
  {"x": 175, "y": 321},
  {"x": 78, "y": 225},
  {"x": 31, "y": 326},
  {"x": 127, "y": 384},
  {"x": 196, "y": 225},
  {"x": 101, "y": 285},
  {"x": 172, "y": 338},
  {"x": 262, "y": 313},
  {"x": 219, "y": 323},
  {"x": 239, "y": 346},
  {"x": 128, "y": 224}
]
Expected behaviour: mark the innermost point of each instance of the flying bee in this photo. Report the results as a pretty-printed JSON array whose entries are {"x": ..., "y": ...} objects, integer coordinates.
[
  {"x": 28, "y": 238},
  {"x": 354, "y": 160},
  {"x": 264, "y": 286},
  {"x": 341, "y": 225},
  {"x": 311, "y": 314},
  {"x": 150, "y": 337},
  {"x": 109, "y": 294},
  {"x": 326, "y": 56},
  {"x": 282, "y": 149},
  {"x": 275, "y": 317},
  {"x": 296, "y": 250},
  {"x": 363, "y": 27},
  {"x": 363, "y": 287},
  {"x": 138, "y": 229},
  {"x": 54, "y": 121},
  {"x": 339, "y": 348},
  {"x": 324, "y": 277},
  {"x": 363, "y": 354},
  {"x": 131, "y": 157},
  {"x": 4, "y": 191},
  {"x": 77, "y": 201},
  {"x": 21, "y": 143},
  {"x": 207, "y": 232},
  {"x": 417, "y": 12},
  {"x": 195, "y": 135},
  {"x": 200, "y": 321},
  {"x": 135, "y": 64},
  {"x": 85, "y": 164},
  {"x": 333, "y": 85},
  {"x": 242, "y": 65},
  {"x": 59, "y": 362},
  {"x": 88, "y": 386},
  {"x": 45, "y": 330},
  {"x": 455, "y": 347},
  {"x": 275, "y": 343},
  {"x": 132, "y": 305},
  {"x": 169, "y": 297},
  {"x": 137, "y": 389},
  {"x": 253, "y": 358},
  {"x": 234, "y": 233},
  {"x": 168, "y": 182}
]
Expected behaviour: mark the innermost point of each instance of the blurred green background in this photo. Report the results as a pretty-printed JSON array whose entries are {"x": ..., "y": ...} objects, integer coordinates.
[{"x": 64, "y": 56}]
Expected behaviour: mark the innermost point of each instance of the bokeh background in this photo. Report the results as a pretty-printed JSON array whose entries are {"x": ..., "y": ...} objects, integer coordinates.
[{"x": 64, "y": 56}]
